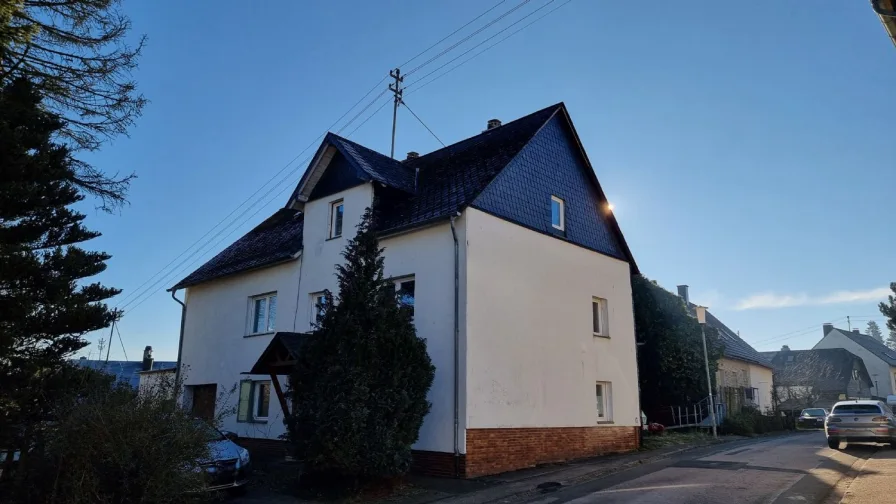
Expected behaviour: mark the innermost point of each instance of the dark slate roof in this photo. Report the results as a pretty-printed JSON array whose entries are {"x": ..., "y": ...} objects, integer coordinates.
[
  {"x": 450, "y": 178},
  {"x": 291, "y": 342},
  {"x": 378, "y": 166},
  {"x": 735, "y": 347},
  {"x": 832, "y": 367},
  {"x": 124, "y": 371},
  {"x": 880, "y": 350},
  {"x": 277, "y": 239}
]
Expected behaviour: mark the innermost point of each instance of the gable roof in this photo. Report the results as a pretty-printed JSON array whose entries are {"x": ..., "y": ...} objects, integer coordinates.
[
  {"x": 734, "y": 347},
  {"x": 277, "y": 239},
  {"x": 831, "y": 366},
  {"x": 881, "y": 351},
  {"x": 411, "y": 193}
]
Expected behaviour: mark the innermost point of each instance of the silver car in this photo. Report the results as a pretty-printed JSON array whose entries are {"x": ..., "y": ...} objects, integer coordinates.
[{"x": 860, "y": 420}]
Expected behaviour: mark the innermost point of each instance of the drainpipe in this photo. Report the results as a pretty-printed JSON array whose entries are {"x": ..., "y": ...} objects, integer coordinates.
[
  {"x": 180, "y": 341},
  {"x": 456, "y": 351}
]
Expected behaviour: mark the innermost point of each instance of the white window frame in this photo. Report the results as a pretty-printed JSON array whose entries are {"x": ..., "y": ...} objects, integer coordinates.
[
  {"x": 333, "y": 212},
  {"x": 266, "y": 328},
  {"x": 409, "y": 278},
  {"x": 256, "y": 400},
  {"x": 312, "y": 313},
  {"x": 604, "y": 317},
  {"x": 562, "y": 226},
  {"x": 606, "y": 404}
]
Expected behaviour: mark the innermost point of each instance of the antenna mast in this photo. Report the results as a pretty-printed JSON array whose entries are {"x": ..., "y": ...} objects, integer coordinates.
[{"x": 397, "y": 90}]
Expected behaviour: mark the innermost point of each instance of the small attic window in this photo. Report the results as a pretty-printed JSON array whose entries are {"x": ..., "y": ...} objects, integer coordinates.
[
  {"x": 336, "y": 210},
  {"x": 558, "y": 219}
]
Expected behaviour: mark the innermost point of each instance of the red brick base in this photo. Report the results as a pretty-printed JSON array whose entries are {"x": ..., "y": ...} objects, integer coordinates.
[
  {"x": 492, "y": 451},
  {"x": 442, "y": 464}
]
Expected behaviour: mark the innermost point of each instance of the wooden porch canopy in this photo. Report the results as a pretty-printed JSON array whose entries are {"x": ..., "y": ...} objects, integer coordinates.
[{"x": 278, "y": 359}]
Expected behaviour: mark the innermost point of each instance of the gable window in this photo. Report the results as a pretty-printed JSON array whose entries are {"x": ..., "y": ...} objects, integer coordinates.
[
  {"x": 599, "y": 317},
  {"x": 405, "y": 288},
  {"x": 602, "y": 396},
  {"x": 558, "y": 219},
  {"x": 336, "y": 209},
  {"x": 254, "y": 401},
  {"x": 318, "y": 307},
  {"x": 262, "y": 313}
]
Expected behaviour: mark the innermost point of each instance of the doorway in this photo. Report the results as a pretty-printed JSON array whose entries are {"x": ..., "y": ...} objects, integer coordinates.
[{"x": 204, "y": 401}]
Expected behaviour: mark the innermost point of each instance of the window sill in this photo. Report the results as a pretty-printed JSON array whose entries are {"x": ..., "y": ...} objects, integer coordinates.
[
  {"x": 266, "y": 333},
  {"x": 605, "y": 336},
  {"x": 605, "y": 422},
  {"x": 256, "y": 421},
  {"x": 333, "y": 238}
]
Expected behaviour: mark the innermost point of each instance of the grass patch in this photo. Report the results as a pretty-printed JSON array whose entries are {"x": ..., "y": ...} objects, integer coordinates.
[{"x": 671, "y": 438}]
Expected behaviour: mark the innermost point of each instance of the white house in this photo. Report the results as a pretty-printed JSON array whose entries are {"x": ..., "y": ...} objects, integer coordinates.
[
  {"x": 519, "y": 277},
  {"x": 880, "y": 360}
]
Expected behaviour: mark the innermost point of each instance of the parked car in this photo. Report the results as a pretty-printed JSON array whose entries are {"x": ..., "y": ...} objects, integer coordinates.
[
  {"x": 860, "y": 420},
  {"x": 228, "y": 467},
  {"x": 811, "y": 418}
]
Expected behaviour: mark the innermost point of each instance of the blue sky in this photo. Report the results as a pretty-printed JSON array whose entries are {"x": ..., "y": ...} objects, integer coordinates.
[{"x": 746, "y": 151}]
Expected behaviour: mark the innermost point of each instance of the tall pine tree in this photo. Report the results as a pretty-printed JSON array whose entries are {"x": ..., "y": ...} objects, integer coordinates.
[
  {"x": 873, "y": 330},
  {"x": 888, "y": 309},
  {"x": 360, "y": 384},
  {"x": 46, "y": 306}
]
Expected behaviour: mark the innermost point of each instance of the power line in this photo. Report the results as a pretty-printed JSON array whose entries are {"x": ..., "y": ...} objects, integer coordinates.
[
  {"x": 446, "y": 37},
  {"x": 462, "y": 63},
  {"x": 805, "y": 330},
  {"x": 468, "y": 37},
  {"x": 137, "y": 292},
  {"x": 122, "y": 343},
  {"x": 421, "y": 122},
  {"x": 489, "y": 38}
]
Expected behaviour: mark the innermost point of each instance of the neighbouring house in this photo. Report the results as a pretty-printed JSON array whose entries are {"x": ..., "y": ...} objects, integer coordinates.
[
  {"x": 128, "y": 371},
  {"x": 818, "y": 378},
  {"x": 744, "y": 377},
  {"x": 519, "y": 275},
  {"x": 880, "y": 360}
]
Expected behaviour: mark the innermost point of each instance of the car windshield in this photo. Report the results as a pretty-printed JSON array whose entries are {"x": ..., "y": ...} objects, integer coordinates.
[
  {"x": 857, "y": 409},
  {"x": 813, "y": 412},
  {"x": 211, "y": 433}
]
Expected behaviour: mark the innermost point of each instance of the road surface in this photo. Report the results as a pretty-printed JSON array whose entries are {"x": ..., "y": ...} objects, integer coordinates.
[{"x": 788, "y": 469}]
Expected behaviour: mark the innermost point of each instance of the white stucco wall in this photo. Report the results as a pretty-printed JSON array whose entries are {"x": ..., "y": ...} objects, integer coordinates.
[
  {"x": 216, "y": 348},
  {"x": 532, "y": 359},
  {"x": 875, "y": 366},
  {"x": 761, "y": 379},
  {"x": 154, "y": 380}
]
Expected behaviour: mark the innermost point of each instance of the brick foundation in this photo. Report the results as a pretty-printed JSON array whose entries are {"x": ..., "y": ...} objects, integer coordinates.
[
  {"x": 264, "y": 451},
  {"x": 492, "y": 451},
  {"x": 432, "y": 463}
]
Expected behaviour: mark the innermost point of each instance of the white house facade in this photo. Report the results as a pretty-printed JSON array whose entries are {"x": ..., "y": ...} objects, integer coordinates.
[
  {"x": 880, "y": 361},
  {"x": 517, "y": 271}
]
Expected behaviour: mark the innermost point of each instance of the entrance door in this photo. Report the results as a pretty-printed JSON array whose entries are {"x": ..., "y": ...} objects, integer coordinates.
[{"x": 204, "y": 401}]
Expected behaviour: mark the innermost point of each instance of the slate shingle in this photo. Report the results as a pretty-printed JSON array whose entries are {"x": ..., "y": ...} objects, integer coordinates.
[{"x": 880, "y": 350}]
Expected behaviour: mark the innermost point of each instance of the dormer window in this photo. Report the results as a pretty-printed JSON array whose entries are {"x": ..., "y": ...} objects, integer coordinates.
[
  {"x": 558, "y": 219},
  {"x": 336, "y": 219}
]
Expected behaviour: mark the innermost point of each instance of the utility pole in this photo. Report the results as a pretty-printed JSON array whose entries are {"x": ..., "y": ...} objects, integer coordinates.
[
  {"x": 397, "y": 90},
  {"x": 701, "y": 318},
  {"x": 848, "y": 323}
]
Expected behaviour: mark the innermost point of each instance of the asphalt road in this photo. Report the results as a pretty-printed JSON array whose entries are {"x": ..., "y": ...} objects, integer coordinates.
[{"x": 789, "y": 469}]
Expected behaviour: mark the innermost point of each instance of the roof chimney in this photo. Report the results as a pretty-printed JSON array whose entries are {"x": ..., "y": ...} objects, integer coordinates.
[
  {"x": 83, "y": 358},
  {"x": 856, "y": 330},
  {"x": 683, "y": 294},
  {"x": 493, "y": 123},
  {"x": 412, "y": 155},
  {"x": 785, "y": 348},
  {"x": 826, "y": 328},
  {"x": 147, "y": 359}
]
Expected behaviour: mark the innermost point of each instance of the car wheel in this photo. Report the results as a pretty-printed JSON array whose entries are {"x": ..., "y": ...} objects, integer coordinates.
[{"x": 834, "y": 444}]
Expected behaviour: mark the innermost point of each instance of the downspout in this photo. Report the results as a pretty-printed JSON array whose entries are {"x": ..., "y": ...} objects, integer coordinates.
[
  {"x": 456, "y": 350},
  {"x": 180, "y": 341}
]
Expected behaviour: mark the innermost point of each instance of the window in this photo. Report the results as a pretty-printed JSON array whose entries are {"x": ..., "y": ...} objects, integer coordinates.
[
  {"x": 599, "y": 317},
  {"x": 262, "y": 313},
  {"x": 856, "y": 409},
  {"x": 602, "y": 394},
  {"x": 336, "y": 219},
  {"x": 558, "y": 220},
  {"x": 318, "y": 307},
  {"x": 255, "y": 401},
  {"x": 405, "y": 288}
]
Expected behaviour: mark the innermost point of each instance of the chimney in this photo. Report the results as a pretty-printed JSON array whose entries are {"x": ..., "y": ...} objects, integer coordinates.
[
  {"x": 785, "y": 348},
  {"x": 826, "y": 328},
  {"x": 683, "y": 293},
  {"x": 412, "y": 155},
  {"x": 147, "y": 359},
  {"x": 856, "y": 330},
  {"x": 493, "y": 123},
  {"x": 83, "y": 358}
]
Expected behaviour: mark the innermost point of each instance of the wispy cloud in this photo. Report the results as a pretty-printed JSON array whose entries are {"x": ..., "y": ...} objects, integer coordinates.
[{"x": 769, "y": 300}]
